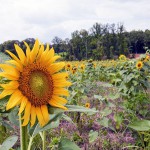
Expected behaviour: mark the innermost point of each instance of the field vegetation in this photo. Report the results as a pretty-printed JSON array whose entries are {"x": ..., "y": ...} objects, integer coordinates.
[{"x": 108, "y": 109}]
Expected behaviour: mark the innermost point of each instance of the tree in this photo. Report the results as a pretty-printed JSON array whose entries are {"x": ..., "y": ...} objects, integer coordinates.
[{"x": 57, "y": 44}]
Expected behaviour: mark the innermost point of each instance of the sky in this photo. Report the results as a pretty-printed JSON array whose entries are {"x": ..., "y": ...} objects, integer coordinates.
[{"x": 45, "y": 19}]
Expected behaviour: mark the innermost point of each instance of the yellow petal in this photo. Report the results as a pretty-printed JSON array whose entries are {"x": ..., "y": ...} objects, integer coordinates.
[
  {"x": 59, "y": 76},
  {"x": 56, "y": 67},
  {"x": 14, "y": 99},
  {"x": 60, "y": 91},
  {"x": 58, "y": 100},
  {"x": 12, "y": 85},
  {"x": 50, "y": 54},
  {"x": 23, "y": 104},
  {"x": 19, "y": 66},
  {"x": 13, "y": 56},
  {"x": 41, "y": 50},
  {"x": 28, "y": 51},
  {"x": 45, "y": 113},
  {"x": 52, "y": 60},
  {"x": 20, "y": 54},
  {"x": 34, "y": 51},
  {"x": 55, "y": 104},
  {"x": 47, "y": 48},
  {"x": 45, "y": 57},
  {"x": 40, "y": 116},
  {"x": 61, "y": 83},
  {"x": 8, "y": 76},
  {"x": 10, "y": 70},
  {"x": 6, "y": 92},
  {"x": 26, "y": 116},
  {"x": 33, "y": 115}
]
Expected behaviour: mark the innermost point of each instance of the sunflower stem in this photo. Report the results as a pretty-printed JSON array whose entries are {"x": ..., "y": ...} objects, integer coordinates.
[
  {"x": 44, "y": 140},
  {"x": 23, "y": 135},
  {"x": 30, "y": 143}
]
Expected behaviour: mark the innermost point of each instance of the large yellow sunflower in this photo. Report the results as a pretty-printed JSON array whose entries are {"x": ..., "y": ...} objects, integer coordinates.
[{"x": 34, "y": 83}]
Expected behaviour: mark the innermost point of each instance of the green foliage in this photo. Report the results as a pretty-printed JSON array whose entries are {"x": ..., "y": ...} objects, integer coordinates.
[
  {"x": 8, "y": 143},
  {"x": 92, "y": 136},
  {"x": 119, "y": 104},
  {"x": 102, "y": 41},
  {"x": 140, "y": 125},
  {"x": 66, "y": 144}
]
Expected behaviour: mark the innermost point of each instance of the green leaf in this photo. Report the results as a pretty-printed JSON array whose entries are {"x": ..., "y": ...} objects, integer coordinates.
[
  {"x": 66, "y": 144},
  {"x": 99, "y": 97},
  {"x": 13, "y": 117},
  {"x": 113, "y": 96},
  {"x": 53, "y": 123},
  {"x": 7, "y": 125},
  {"x": 92, "y": 112},
  {"x": 9, "y": 142},
  {"x": 72, "y": 95},
  {"x": 122, "y": 72},
  {"x": 104, "y": 122},
  {"x": 109, "y": 104},
  {"x": 140, "y": 125},
  {"x": 118, "y": 119},
  {"x": 4, "y": 100},
  {"x": 106, "y": 85},
  {"x": 67, "y": 118},
  {"x": 93, "y": 136},
  {"x": 75, "y": 108},
  {"x": 106, "y": 112}
]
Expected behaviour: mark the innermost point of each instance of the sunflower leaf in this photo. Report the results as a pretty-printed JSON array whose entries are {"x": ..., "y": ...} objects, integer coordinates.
[
  {"x": 140, "y": 125},
  {"x": 93, "y": 136},
  {"x": 65, "y": 117},
  {"x": 75, "y": 108},
  {"x": 13, "y": 117},
  {"x": 66, "y": 144},
  {"x": 53, "y": 123},
  {"x": 9, "y": 142}
]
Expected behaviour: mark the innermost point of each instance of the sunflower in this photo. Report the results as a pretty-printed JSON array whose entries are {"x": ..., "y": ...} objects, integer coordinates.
[
  {"x": 82, "y": 67},
  {"x": 74, "y": 70},
  {"x": 34, "y": 83},
  {"x": 87, "y": 105},
  {"x": 68, "y": 66},
  {"x": 94, "y": 64},
  {"x": 147, "y": 58},
  {"x": 139, "y": 64},
  {"x": 122, "y": 57}
]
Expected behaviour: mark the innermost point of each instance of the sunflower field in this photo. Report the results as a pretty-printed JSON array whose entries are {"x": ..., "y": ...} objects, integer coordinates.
[{"x": 47, "y": 104}]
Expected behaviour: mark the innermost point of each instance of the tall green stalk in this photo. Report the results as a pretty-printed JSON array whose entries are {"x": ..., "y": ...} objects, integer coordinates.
[
  {"x": 23, "y": 135},
  {"x": 44, "y": 140}
]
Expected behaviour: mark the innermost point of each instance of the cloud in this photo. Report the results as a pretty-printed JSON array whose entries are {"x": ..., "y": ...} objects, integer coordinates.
[{"x": 48, "y": 18}]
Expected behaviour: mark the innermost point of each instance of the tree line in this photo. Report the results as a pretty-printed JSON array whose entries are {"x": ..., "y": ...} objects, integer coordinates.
[{"x": 101, "y": 41}]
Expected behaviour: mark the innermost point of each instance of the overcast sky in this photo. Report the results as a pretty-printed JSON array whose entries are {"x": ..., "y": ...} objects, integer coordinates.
[{"x": 45, "y": 19}]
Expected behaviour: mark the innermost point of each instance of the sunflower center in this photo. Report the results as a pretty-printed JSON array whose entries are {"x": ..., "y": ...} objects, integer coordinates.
[
  {"x": 36, "y": 84},
  {"x": 139, "y": 65},
  {"x": 39, "y": 84}
]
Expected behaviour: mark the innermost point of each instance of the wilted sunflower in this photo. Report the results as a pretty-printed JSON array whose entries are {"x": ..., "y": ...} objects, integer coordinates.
[
  {"x": 35, "y": 83},
  {"x": 139, "y": 64}
]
